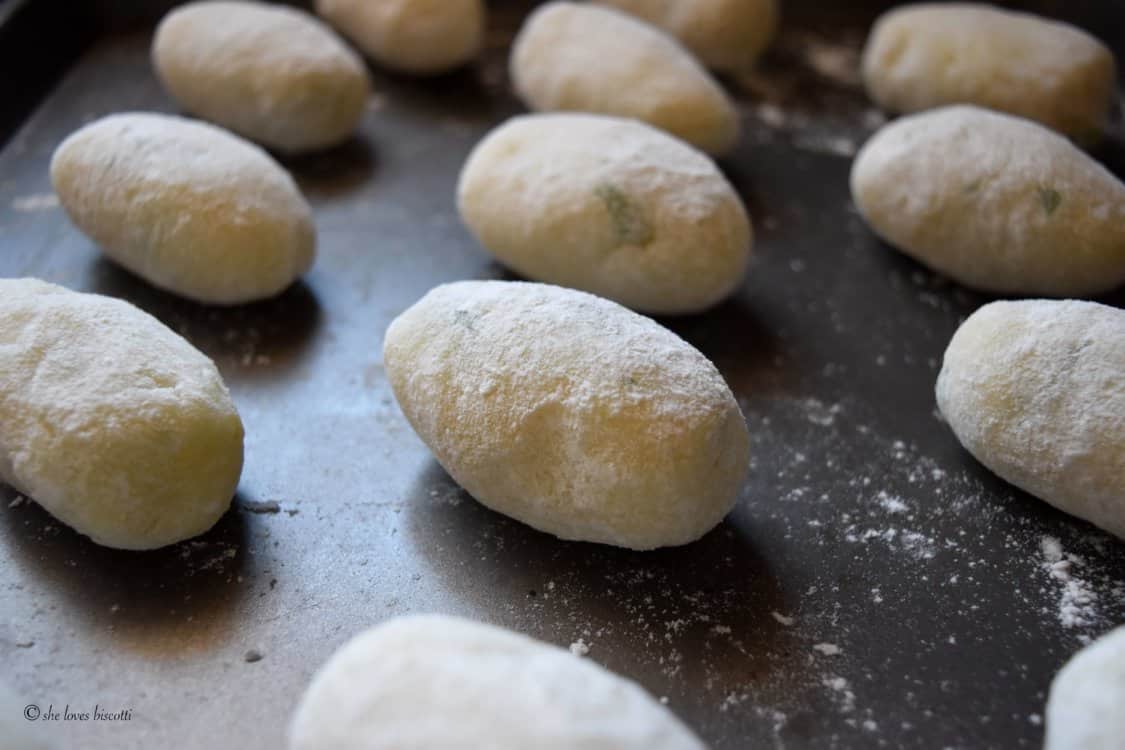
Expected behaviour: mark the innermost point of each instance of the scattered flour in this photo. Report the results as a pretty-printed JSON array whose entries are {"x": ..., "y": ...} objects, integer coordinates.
[
  {"x": 449, "y": 494},
  {"x": 732, "y": 700},
  {"x": 891, "y": 504},
  {"x": 842, "y": 688},
  {"x": 35, "y": 202},
  {"x": 777, "y": 718},
  {"x": 837, "y": 62},
  {"x": 917, "y": 545},
  {"x": 1077, "y": 600},
  {"x": 837, "y": 145},
  {"x": 207, "y": 556},
  {"x": 580, "y": 647},
  {"x": 771, "y": 115},
  {"x": 786, "y": 621},
  {"x": 828, "y": 649},
  {"x": 817, "y": 412}
]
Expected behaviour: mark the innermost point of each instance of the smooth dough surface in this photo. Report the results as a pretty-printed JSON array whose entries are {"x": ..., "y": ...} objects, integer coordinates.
[
  {"x": 1035, "y": 390},
  {"x": 727, "y": 35},
  {"x": 996, "y": 202},
  {"x": 569, "y": 412},
  {"x": 610, "y": 206},
  {"x": 415, "y": 36},
  {"x": 930, "y": 55},
  {"x": 187, "y": 206},
  {"x": 586, "y": 58},
  {"x": 121, "y": 429},
  {"x": 1087, "y": 695},
  {"x": 431, "y": 682},
  {"x": 276, "y": 75}
]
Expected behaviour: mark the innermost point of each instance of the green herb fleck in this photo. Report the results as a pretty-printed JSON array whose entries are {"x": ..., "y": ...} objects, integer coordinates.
[
  {"x": 629, "y": 225},
  {"x": 1050, "y": 199},
  {"x": 466, "y": 319},
  {"x": 973, "y": 186}
]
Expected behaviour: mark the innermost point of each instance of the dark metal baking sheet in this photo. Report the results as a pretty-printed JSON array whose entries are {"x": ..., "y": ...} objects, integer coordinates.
[{"x": 875, "y": 587}]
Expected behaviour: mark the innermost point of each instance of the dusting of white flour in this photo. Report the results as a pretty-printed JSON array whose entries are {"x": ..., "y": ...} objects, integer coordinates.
[
  {"x": 35, "y": 202},
  {"x": 1078, "y": 603}
]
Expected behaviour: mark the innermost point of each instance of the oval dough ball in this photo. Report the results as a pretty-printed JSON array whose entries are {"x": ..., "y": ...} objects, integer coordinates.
[
  {"x": 589, "y": 59},
  {"x": 186, "y": 206},
  {"x": 109, "y": 420},
  {"x": 569, "y": 412},
  {"x": 996, "y": 202},
  {"x": 273, "y": 74},
  {"x": 432, "y": 682},
  {"x": 607, "y": 205},
  {"x": 1084, "y": 707},
  {"x": 727, "y": 35},
  {"x": 416, "y": 36},
  {"x": 930, "y": 55},
  {"x": 1035, "y": 390}
]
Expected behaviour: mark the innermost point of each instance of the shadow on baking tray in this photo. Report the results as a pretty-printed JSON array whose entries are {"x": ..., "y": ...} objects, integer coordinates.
[
  {"x": 260, "y": 340},
  {"x": 707, "y": 613},
  {"x": 160, "y": 603},
  {"x": 336, "y": 171}
]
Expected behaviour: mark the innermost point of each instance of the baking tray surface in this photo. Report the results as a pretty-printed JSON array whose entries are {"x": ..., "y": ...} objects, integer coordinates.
[{"x": 875, "y": 586}]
